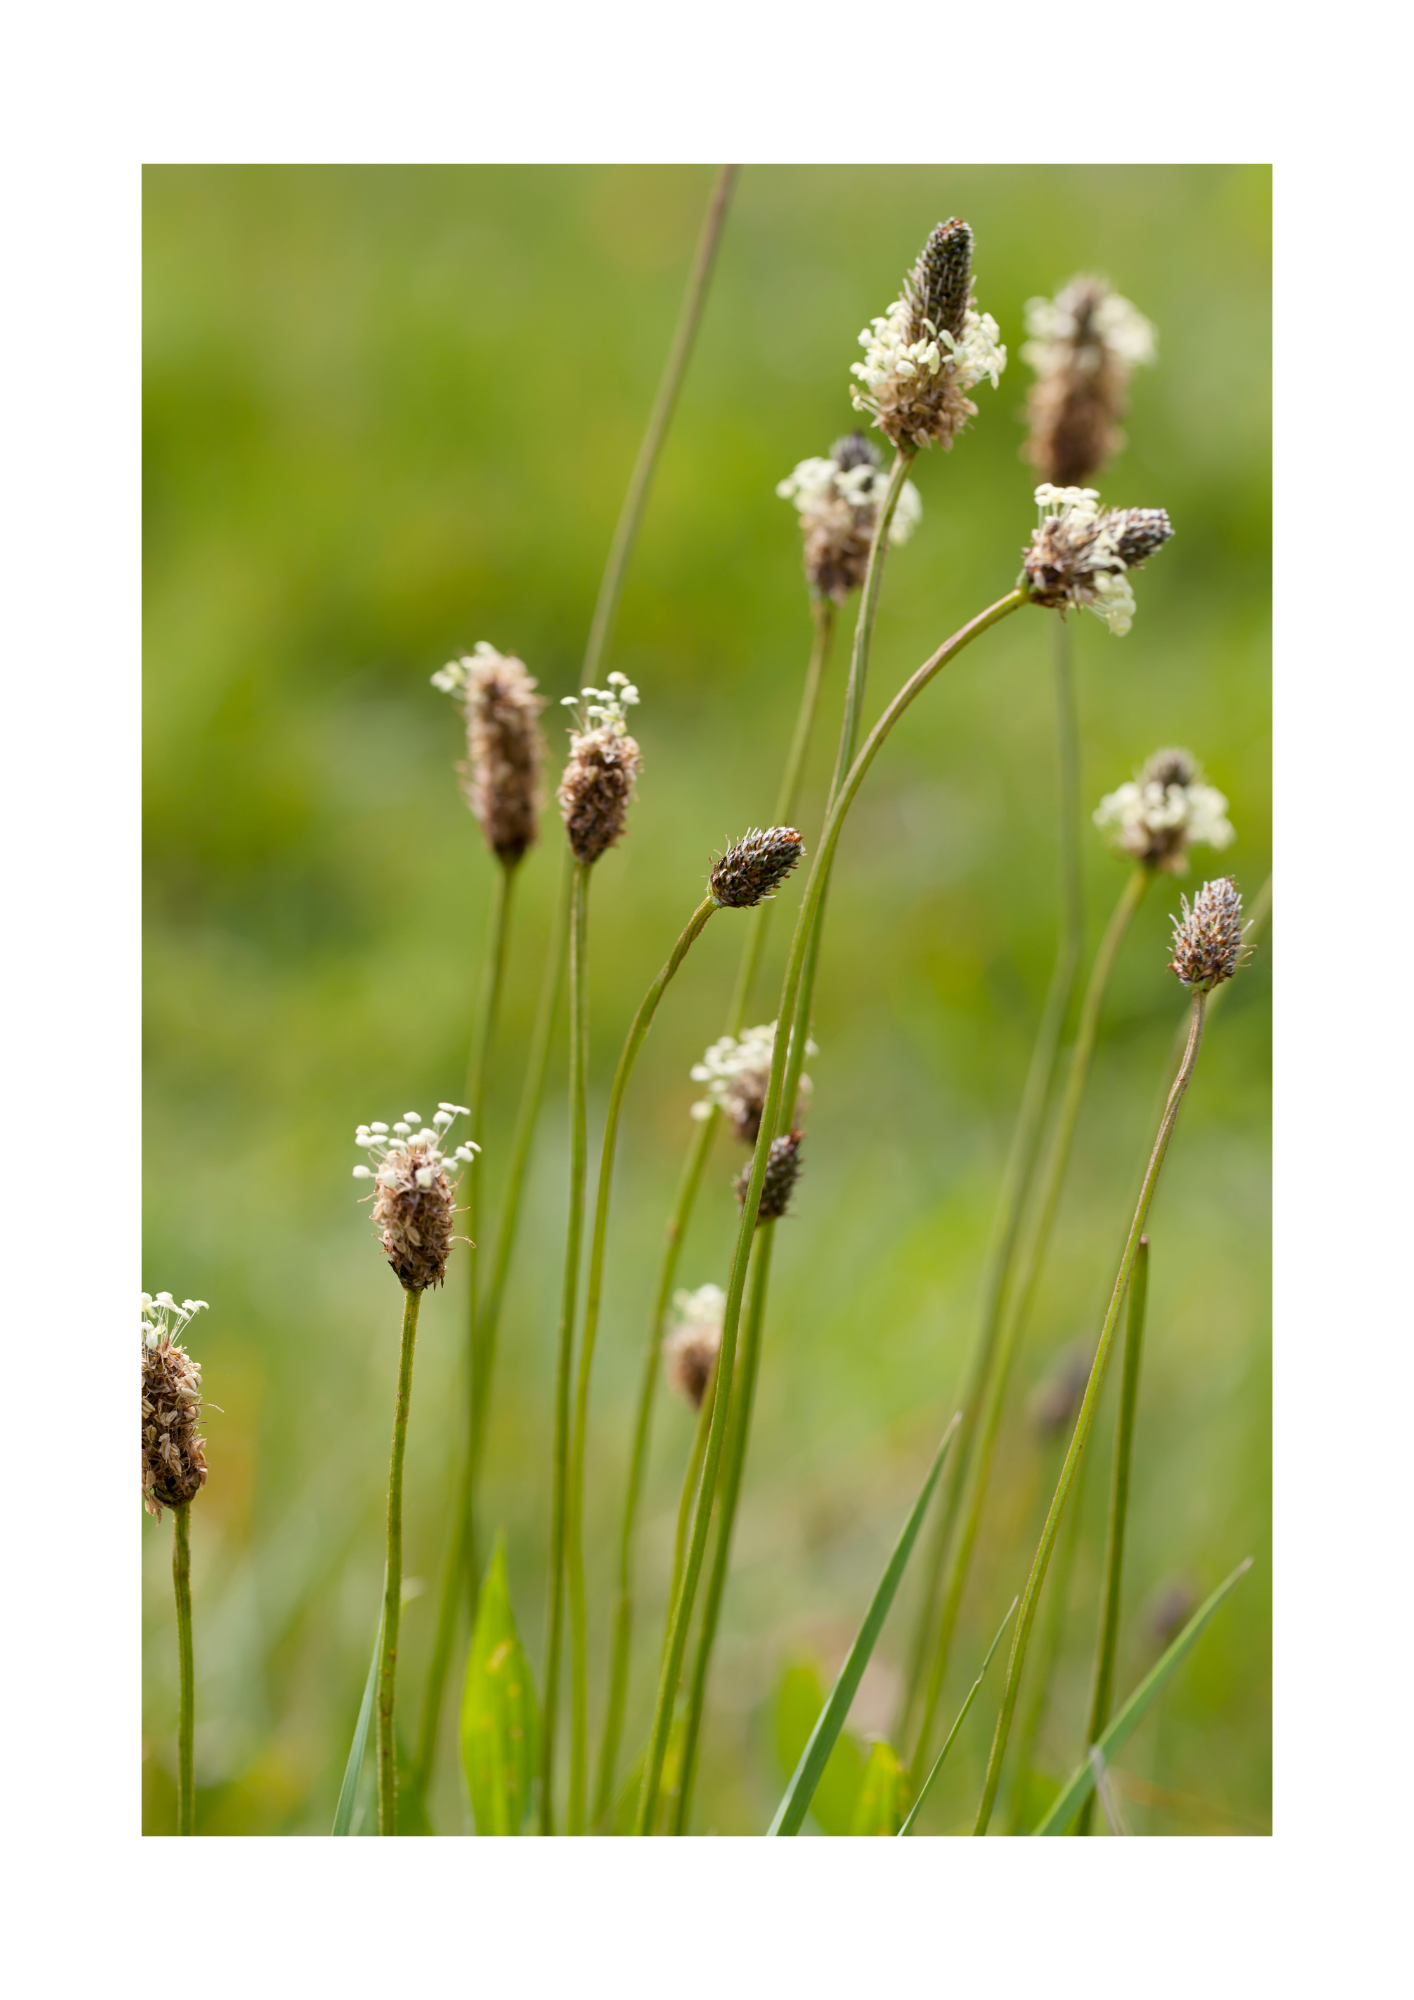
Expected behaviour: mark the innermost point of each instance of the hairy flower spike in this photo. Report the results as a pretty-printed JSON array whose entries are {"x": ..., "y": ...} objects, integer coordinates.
[
  {"x": 736, "y": 1073},
  {"x": 837, "y": 499},
  {"x": 753, "y": 866},
  {"x": 1080, "y": 553},
  {"x": 604, "y": 761},
  {"x": 173, "y": 1458},
  {"x": 412, "y": 1208},
  {"x": 1083, "y": 344},
  {"x": 930, "y": 348},
  {"x": 1163, "y": 812},
  {"x": 782, "y": 1173},
  {"x": 1207, "y": 939},
  {"x": 691, "y": 1349},
  {"x": 501, "y": 776}
]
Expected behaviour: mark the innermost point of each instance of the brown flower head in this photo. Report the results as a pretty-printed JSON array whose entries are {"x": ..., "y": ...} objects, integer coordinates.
[
  {"x": 1207, "y": 938},
  {"x": 753, "y": 866},
  {"x": 838, "y": 499},
  {"x": 930, "y": 348},
  {"x": 412, "y": 1205},
  {"x": 501, "y": 777},
  {"x": 782, "y": 1173},
  {"x": 1080, "y": 553},
  {"x": 1163, "y": 811},
  {"x": 173, "y": 1459},
  {"x": 691, "y": 1349},
  {"x": 603, "y": 764},
  {"x": 1083, "y": 344},
  {"x": 736, "y": 1071}
]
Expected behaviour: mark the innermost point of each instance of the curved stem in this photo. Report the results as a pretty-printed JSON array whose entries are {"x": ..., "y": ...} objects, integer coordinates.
[
  {"x": 579, "y": 910},
  {"x": 676, "y": 1638},
  {"x": 1031, "y": 1265},
  {"x": 1085, "y": 1418},
  {"x": 649, "y": 452},
  {"x": 1102, "y": 1685},
  {"x": 579, "y": 1666},
  {"x": 737, "y": 1436},
  {"x": 181, "y": 1582},
  {"x": 393, "y": 1576}
]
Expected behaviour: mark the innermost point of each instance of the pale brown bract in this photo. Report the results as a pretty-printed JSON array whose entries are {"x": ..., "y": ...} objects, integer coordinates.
[{"x": 501, "y": 777}]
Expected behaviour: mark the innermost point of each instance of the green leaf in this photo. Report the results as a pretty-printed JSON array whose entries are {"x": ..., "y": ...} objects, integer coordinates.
[
  {"x": 500, "y": 1717},
  {"x": 348, "y": 1791},
  {"x": 799, "y": 1699},
  {"x": 813, "y": 1758},
  {"x": 880, "y": 1805},
  {"x": 1119, "y": 1731},
  {"x": 971, "y": 1696}
]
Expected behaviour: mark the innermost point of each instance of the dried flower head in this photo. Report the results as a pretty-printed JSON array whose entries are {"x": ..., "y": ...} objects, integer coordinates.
[
  {"x": 755, "y": 865},
  {"x": 736, "y": 1071},
  {"x": 782, "y": 1173},
  {"x": 412, "y": 1206},
  {"x": 929, "y": 348},
  {"x": 501, "y": 776},
  {"x": 1207, "y": 938},
  {"x": 1080, "y": 553},
  {"x": 173, "y": 1459},
  {"x": 1057, "y": 1395},
  {"x": 604, "y": 761},
  {"x": 1163, "y": 811},
  {"x": 838, "y": 499},
  {"x": 1083, "y": 344},
  {"x": 691, "y": 1349}
]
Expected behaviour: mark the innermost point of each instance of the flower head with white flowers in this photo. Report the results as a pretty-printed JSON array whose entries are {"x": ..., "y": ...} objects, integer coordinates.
[
  {"x": 1080, "y": 553},
  {"x": 173, "y": 1458},
  {"x": 603, "y": 708},
  {"x": 930, "y": 347},
  {"x": 838, "y": 499},
  {"x": 737, "y": 1070},
  {"x": 412, "y": 1206},
  {"x": 1083, "y": 344},
  {"x": 604, "y": 761},
  {"x": 1163, "y": 811},
  {"x": 691, "y": 1349}
]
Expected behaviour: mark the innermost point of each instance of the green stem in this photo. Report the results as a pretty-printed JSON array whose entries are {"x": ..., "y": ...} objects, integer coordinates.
[
  {"x": 1102, "y": 1686},
  {"x": 864, "y": 621},
  {"x": 737, "y": 1437},
  {"x": 649, "y": 452},
  {"x": 1048, "y": 1648},
  {"x": 1023, "y": 1295},
  {"x": 1086, "y": 1417},
  {"x": 181, "y": 1583},
  {"x": 579, "y": 1661},
  {"x": 393, "y": 1576},
  {"x": 691, "y": 1479},
  {"x": 676, "y": 1638},
  {"x": 488, "y": 1007},
  {"x": 1023, "y": 1154}
]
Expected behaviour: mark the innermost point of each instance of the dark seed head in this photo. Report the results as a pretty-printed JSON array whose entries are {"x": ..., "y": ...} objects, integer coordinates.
[
  {"x": 782, "y": 1172},
  {"x": 755, "y": 865}
]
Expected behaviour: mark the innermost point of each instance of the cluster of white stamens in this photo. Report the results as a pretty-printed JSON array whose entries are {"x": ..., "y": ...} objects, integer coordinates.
[
  {"x": 453, "y": 678},
  {"x": 163, "y": 1319},
  {"x": 1054, "y": 326},
  {"x": 734, "y": 1058},
  {"x": 817, "y": 482},
  {"x": 890, "y": 356},
  {"x": 603, "y": 708},
  {"x": 1110, "y": 595},
  {"x": 394, "y": 1148}
]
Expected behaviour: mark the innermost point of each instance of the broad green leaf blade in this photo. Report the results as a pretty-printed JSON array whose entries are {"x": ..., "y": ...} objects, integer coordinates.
[
  {"x": 799, "y": 1699},
  {"x": 1083, "y": 1782},
  {"x": 500, "y": 1718},
  {"x": 880, "y": 1806},
  {"x": 801, "y": 1789},
  {"x": 348, "y": 1791},
  {"x": 961, "y": 1718}
]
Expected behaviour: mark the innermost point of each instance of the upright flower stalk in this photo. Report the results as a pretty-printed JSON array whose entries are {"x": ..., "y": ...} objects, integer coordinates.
[{"x": 173, "y": 1473}]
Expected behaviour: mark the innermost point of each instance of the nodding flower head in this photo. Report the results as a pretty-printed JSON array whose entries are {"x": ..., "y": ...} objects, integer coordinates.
[
  {"x": 929, "y": 348},
  {"x": 753, "y": 866},
  {"x": 501, "y": 776},
  {"x": 782, "y": 1173},
  {"x": 603, "y": 763},
  {"x": 1083, "y": 344},
  {"x": 1207, "y": 938},
  {"x": 736, "y": 1071},
  {"x": 173, "y": 1459},
  {"x": 837, "y": 499},
  {"x": 1080, "y": 553},
  {"x": 691, "y": 1349},
  {"x": 412, "y": 1207},
  {"x": 1164, "y": 811}
]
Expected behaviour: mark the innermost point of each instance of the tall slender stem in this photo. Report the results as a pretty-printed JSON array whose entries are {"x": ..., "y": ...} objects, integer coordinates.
[
  {"x": 1020, "y": 1817},
  {"x": 690, "y": 1482},
  {"x": 181, "y": 1582},
  {"x": 488, "y": 1007},
  {"x": 858, "y": 680},
  {"x": 676, "y": 1638},
  {"x": 393, "y": 1576},
  {"x": 579, "y": 1662},
  {"x": 1085, "y": 1418},
  {"x": 1032, "y": 1263},
  {"x": 737, "y": 1436},
  {"x": 649, "y": 452},
  {"x": 1102, "y": 1686}
]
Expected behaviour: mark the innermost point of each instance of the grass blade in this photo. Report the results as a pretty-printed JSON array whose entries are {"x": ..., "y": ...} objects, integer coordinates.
[
  {"x": 927, "y": 1785},
  {"x": 1082, "y": 1783},
  {"x": 500, "y": 1725},
  {"x": 801, "y": 1789},
  {"x": 348, "y": 1791}
]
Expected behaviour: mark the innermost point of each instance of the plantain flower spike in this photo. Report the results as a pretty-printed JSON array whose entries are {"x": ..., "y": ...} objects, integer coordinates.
[
  {"x": 1081, "y": 553},
  {"x": 603, "y": 764},
  {"x": 782, "y": 1173},
  {"x": 412, "y": 1205},
  {"x": 1083, "y": 344},
  {"x": 1207, "y": 938},
  {"x": 736, "y": 1071},
  {"x": 754, "y": 866},
  {"x": 501, "y": 776},
  {"x": 173, "y": 1458},
  {"x": 1163, "y": 811},
  {"x": 838, "y": 499},
  {"x": 691, "y": 1349},
  {"x": 929, "y": 348}
]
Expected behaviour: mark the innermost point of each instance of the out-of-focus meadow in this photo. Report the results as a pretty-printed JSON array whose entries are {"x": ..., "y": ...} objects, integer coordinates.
[{"x": 392, "y": 411}]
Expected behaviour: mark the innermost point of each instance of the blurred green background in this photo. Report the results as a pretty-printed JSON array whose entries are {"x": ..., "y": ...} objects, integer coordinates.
[{"x": 391, "y": 411}]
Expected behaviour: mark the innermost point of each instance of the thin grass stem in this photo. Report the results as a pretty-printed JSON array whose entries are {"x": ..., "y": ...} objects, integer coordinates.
[
  {"x": 1046, "y": 1658},
  {"x": 393, "y": 1575},
  {"x": 181, "y": 1583},
  {"x": 971, "y": 1696},
  {"x": 690, "y": 1482}
]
